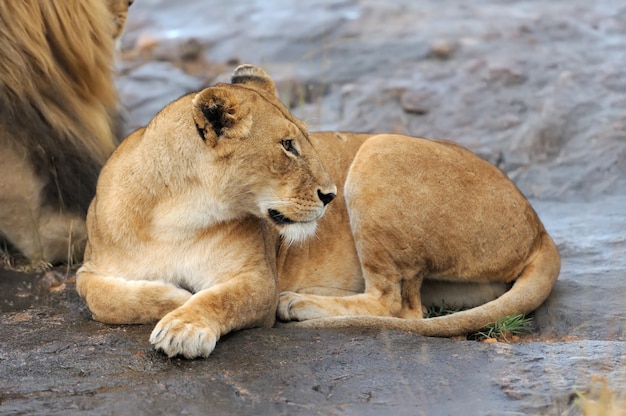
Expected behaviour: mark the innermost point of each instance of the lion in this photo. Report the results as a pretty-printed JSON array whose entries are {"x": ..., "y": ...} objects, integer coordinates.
[
  {"x": 119, "y": 11},
  {"x": 59, "y": 119},
  {"x": 224, "y": 201}
]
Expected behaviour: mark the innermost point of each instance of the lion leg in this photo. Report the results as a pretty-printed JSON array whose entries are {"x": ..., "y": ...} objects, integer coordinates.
[
  {"x": 193, "y": 329},
  {"x": 392, "y": 270},
  {"x": 19, "y": 227},
  {"x": 63, "y": 236},
  {"x": 40, "y": 232},
  {"x": 19, "y": 201},
  {"x": 115, "y": 300},
  {"x": 45, "y": 238}
]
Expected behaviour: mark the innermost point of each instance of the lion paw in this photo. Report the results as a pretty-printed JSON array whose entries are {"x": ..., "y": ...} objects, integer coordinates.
[
  {"x": 293, "y": 306},
  {"x": 34, "y": 266},
  {"x": 177, "y": 336}
]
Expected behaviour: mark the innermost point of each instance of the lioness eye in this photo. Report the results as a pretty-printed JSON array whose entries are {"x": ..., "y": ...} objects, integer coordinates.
[{"x": 288, "y": 146}]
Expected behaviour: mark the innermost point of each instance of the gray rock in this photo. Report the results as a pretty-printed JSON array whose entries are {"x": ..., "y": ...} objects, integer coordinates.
[
  {"x": 55, "y": 360},
  {"x": 147, "y": 88}
]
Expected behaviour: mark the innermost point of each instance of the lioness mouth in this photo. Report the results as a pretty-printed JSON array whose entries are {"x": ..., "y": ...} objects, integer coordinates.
[{"x": 279, "y": 218}]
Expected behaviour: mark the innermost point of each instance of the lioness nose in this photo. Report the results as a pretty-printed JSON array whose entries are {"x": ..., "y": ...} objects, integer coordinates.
[{"x": 326, "y": 198}]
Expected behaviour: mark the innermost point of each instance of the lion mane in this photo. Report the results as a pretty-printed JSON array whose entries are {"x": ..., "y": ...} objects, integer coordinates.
[{"x": 58, "y": 112}]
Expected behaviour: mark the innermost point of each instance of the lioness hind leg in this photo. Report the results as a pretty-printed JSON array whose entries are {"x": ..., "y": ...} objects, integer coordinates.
[
  {"x": 391, "y": 257},
  {"x": 294, "y": 306},
  {"x": 383, "y": 296},
  {"x": 115, "y": 300}
]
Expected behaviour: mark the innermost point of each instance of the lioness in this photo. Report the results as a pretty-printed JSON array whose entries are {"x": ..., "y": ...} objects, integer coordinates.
[
  {"x": 177, "y": 231},
  {"x": 224, "y": 190},
  {"x": 58, "y": 119}
]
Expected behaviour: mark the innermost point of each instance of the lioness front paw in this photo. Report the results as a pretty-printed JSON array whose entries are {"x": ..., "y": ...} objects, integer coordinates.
[
  {"x": 294, "y": 306},
  {"x": 176, "y": 335}
]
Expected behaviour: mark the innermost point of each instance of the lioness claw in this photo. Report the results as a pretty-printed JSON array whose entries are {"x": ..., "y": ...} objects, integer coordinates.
[{"x": 178, "y": 337}]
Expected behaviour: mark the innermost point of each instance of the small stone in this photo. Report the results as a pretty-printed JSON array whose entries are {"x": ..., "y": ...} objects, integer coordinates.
[
  {"x": 416, "y": 101},
  {"x": 506, "y": 74},
  {"x": 145, "y": 42},
  {"x": 442, "y": 49}
]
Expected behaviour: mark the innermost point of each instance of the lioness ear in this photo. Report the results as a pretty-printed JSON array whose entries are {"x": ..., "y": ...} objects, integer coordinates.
[
  {"x": 217, "y": 113},
  {"x": 254, "y": 76}
]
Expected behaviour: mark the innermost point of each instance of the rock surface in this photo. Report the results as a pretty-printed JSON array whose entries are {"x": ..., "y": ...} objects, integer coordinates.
[
  {"x": 73, "y": 365},
  {"x": 537, "y": 88}
]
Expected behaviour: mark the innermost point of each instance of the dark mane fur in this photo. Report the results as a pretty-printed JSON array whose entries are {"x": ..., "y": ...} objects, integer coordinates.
[{"x": 57, "y": 97}]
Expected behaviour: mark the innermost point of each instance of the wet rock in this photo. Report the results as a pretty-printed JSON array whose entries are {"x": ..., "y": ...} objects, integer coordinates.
[
  {"x": 295, "y": 93},
  {"x": 54, "y": 358},
  {"x": 546, "y": 134},
  {"x": 148, "y": 87},
  {"x": 591, "y": 282},
  {"x": 418, "y": 101},
  {"x": 506, "y": 74},
  {"x": 72, "y": 365}
]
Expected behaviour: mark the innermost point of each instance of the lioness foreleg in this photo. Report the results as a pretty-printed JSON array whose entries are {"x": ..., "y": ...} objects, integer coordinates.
[
  {"x": 193, "y": 329},
  {"x": 115, "y": 300}
]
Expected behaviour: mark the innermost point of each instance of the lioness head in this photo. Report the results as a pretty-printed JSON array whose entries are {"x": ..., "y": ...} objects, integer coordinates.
[{"x": 266, "y": 163}]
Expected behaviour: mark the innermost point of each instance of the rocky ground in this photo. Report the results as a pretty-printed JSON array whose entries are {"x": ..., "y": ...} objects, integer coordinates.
[{"x": 537, "y": 88}]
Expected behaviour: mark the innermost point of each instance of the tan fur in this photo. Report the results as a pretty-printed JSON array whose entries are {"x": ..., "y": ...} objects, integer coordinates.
[
  {"x": 419, "y": 210},
  {"x": 416, "y": 222},
  {"x": 179, "y": 210},
  {"x": 223, "y": 190},
  {"x": 58, "y": 110},
  {"x": 119, "y": 12}
]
